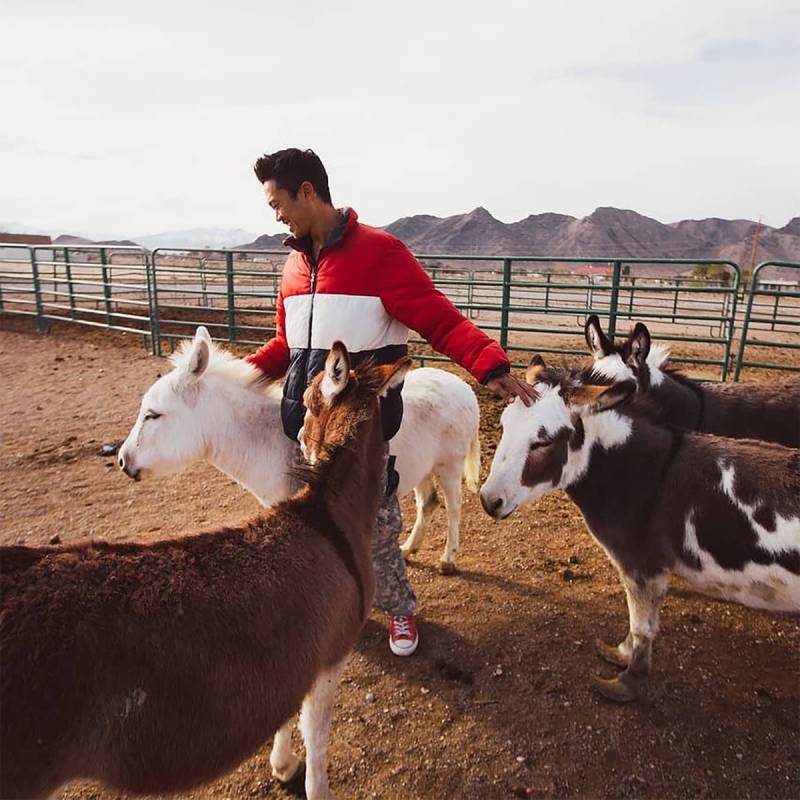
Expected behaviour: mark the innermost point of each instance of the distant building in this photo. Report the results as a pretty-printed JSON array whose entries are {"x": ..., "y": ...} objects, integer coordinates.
[
  {"x": 24, "y": 238},
  {"x": 15, "y": 254}
]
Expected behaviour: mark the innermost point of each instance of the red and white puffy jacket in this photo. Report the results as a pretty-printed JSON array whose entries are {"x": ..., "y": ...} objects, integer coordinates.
[{"x": 365, "y": 289}]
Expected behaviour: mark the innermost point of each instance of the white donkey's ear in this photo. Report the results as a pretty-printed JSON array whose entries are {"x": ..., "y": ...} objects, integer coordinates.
[
  {"x": 200, "y": 353},
  {"x": 337, "y": 372},
  {"x": 202, "y": 333}
]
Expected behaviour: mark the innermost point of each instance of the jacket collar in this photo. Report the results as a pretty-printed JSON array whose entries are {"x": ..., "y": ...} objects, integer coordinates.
[{"x": 348, "y": 219}]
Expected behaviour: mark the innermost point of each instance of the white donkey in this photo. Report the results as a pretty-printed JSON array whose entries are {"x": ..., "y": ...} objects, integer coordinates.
[{"x": 227, "y": 414}]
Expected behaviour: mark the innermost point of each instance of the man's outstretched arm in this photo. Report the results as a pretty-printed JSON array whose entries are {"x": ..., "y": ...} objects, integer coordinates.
[{"x": 408, "y": 294}]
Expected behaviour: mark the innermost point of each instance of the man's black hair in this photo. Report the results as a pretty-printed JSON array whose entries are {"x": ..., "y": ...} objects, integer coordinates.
[{"x": 290, "y": 168}]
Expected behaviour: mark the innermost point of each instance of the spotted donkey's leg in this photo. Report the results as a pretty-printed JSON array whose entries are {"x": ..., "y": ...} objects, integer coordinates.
[
  {"x": 645, "y": 597},
  {"x": 285, "y": 764},
  {"x": 315, "y": 724}
]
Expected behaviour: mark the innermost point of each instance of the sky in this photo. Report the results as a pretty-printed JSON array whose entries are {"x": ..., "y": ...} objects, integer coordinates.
[{"x": 122, "y": 119}]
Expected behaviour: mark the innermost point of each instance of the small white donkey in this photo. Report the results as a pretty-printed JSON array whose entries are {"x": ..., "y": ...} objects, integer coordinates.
[{"x": 222, "y": 410}]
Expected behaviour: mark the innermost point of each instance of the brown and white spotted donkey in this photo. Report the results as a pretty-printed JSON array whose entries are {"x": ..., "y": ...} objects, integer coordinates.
[
  {"x": 768, "y": 410},
  {"x": 724, "y": 514},
  {"x": 153, "y": 668}
]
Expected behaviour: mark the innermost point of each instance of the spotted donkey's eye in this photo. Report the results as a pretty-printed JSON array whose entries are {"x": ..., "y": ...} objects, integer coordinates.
[{"x": 537, "y": 445}]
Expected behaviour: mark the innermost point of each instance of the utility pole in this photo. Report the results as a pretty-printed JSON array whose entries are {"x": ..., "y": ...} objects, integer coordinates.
[{"x": 755, "y": 246}]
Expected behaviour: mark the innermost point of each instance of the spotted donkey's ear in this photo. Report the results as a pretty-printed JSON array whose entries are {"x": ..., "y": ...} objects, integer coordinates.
[
  {"x": 595, "y": 399},
  {"x": 638, "y": 346},
  {"x": 337, "y": 371},
  {"x": 599, "y": 344}
]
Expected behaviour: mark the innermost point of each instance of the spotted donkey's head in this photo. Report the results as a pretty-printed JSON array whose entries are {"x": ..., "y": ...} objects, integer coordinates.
[
  {"x": 547, "y": 445},
  {"x": 634, "y": 359}
]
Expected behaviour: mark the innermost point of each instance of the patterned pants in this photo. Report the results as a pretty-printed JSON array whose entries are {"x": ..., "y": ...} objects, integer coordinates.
[{"x": 393, "y": 592}]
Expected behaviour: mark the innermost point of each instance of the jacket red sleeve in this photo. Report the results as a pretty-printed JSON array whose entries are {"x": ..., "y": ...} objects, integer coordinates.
[
  {"x": 408, "y": 294},
  {"x": 273, "y": 357}
]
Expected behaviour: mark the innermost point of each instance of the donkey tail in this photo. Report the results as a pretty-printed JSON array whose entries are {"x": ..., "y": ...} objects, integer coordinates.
[{"x": 472, "y": 463}]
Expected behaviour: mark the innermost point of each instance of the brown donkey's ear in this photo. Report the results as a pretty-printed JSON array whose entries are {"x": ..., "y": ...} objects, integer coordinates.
[
  {"x": 599, "y": 344},
  {"x": 394, "y": 374},
  {"x": 337, "y": 372},
  {"x": 601, "y": 398},
  {"x": 535, "y": 369}
]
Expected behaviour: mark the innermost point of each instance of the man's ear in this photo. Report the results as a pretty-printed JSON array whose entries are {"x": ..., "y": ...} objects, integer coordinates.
[
  {"x": 597, "y": 399},
  {"x": 337, "y": 372},
  {"x": 394, "y": 374},
  {"x": 638, "y": 346},
  {"x": 599, "y": 344},
  {"x": 535, "y": 369}
]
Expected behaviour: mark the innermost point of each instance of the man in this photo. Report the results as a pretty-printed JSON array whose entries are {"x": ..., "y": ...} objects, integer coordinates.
[{"x": 344, "y": 280}]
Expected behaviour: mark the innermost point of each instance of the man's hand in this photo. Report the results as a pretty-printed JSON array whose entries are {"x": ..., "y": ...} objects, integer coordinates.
[{"x": 509, "y": 388}]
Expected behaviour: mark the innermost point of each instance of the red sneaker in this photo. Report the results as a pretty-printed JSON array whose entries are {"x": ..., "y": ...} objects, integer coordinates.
[{"x": 403, "y": 637}]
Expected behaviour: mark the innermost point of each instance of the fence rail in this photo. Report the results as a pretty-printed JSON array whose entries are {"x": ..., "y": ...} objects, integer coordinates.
[
  {"x": 532, "y": 303},
  {"x": 771, "y": 321}
]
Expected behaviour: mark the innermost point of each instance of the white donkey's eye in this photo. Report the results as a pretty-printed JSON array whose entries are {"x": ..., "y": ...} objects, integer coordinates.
[{"x": 152, "y": 415}]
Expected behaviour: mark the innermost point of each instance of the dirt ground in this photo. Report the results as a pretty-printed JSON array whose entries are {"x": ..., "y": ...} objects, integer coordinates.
[{"x": 495, "y": 704}]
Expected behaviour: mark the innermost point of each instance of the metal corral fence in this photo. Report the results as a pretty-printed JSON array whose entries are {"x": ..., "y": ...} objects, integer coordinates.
[
  {"x": 530, "y": 304},
  {"x": 771, "y": 319}
]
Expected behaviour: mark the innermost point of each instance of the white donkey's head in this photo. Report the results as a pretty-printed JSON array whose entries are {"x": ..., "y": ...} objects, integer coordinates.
[
  {"x": 170, "y": 433},
  {"x": 546, "y": 445}
]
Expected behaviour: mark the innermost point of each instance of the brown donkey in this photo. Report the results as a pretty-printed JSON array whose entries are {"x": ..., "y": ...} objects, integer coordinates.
[
  {"x": 158, "y": 667},
  {"x": 769, "y": 411},
  {"x": 724, "y": 514}
]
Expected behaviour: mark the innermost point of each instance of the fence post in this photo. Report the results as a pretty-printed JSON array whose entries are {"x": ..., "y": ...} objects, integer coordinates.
[
  {"x": 675, "y": 299},
  {"x": 231, "y": 309},
  {"x": 149, "y": 303},
  {"x": 155, "y": 321},
  {"x": 745, "y": 328},
  {"x": 505, "y": 303},
  {"x": 612, "y": 303},
  {"x": 473, "y": 314},
  {"x": 106, "y": 285},
  {"x": 775, "y": 306},
  {"x": 68, "y": 270},
  {"x": 37, "y": 291}
]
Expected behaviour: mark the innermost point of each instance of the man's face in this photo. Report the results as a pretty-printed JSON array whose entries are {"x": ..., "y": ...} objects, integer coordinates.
[{"x": 296, "y": 212}]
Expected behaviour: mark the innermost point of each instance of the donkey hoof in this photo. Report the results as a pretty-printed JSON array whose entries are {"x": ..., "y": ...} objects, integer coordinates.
[
  {"x": 610, "y": 654},
  {"x": 292, "y": 775},
  {"x": 615, "y": 689},
  {"x": 407, "y": 550},
  {"x": 447, "y": 568}
]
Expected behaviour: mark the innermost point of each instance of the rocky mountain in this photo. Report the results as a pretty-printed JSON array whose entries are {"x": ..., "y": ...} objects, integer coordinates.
[
  {"x": 265, "y": 242},
  {"x": 605, "y": 232}
]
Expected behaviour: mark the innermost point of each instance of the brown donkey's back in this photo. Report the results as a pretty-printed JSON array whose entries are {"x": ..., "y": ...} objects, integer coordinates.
[{"x": 156, "y": 667}]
